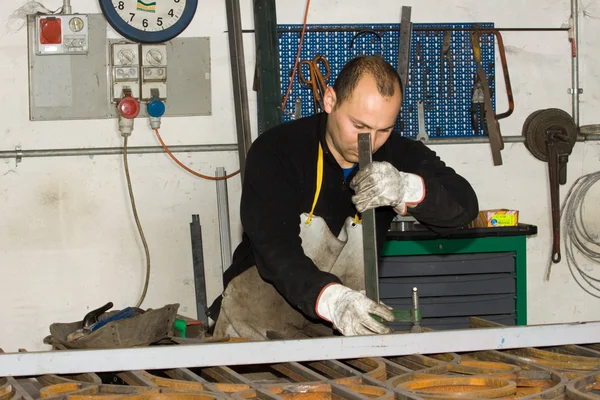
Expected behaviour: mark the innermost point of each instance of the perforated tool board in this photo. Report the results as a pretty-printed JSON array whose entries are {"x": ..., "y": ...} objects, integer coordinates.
[{"x": 443, "y": 117}]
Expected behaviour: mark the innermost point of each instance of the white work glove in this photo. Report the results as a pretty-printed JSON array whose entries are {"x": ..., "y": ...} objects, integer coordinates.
[
  {"x": 380, "y": 184},
  {"x": 349, "y": 311}
]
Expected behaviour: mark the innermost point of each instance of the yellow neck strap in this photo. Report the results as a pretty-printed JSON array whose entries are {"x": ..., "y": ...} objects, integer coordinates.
[{"x": 319, "y": 184}]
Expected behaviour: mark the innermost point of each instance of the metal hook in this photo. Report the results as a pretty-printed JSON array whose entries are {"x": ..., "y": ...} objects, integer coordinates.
[{"x": 367, "y": 32}]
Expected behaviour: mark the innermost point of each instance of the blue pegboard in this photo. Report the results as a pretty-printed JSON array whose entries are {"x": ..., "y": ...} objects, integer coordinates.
[{"x": 443, "y": 117}]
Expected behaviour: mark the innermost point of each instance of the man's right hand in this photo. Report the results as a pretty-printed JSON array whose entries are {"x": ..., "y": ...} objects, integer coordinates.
[{"x": 349, "y": 311}]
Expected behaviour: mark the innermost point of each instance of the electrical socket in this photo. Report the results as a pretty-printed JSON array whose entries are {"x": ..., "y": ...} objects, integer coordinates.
[
  {"x": 154, "y": 70},
  {"x": 125, "y": 70}
]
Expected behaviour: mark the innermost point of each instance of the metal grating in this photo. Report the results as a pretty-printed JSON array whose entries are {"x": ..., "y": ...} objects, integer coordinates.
[
  {"x": 443, "y": 117},
  {"x": 561, "y": 372}
]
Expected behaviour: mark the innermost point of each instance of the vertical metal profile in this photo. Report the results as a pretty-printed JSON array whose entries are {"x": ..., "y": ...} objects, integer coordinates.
[
  {"x": 368, "y": 226},
  {"x": 223, "y": 216},
  {"x": 267, "y": 64},
  {"x": 198, "y": 264},
  {"x": 240, "y": 87},
  {"x": 404, "y": 50},
  {"x": 576, "y": 91}
]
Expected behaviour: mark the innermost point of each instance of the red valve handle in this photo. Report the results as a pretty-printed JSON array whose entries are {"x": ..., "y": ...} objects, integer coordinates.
[{"x": 128, "y": 107}]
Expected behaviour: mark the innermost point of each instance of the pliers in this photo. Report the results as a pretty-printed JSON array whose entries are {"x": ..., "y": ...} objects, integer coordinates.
[
  {"x": 477, "y": 106},
  {"x": 446, "y": 55}
]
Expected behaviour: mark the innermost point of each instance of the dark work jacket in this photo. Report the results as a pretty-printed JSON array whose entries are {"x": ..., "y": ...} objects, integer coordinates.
[{"x": 280, "y": 183}]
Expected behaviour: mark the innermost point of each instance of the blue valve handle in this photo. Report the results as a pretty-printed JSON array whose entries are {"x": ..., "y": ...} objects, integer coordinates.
[{"x": 156, "y": 108}]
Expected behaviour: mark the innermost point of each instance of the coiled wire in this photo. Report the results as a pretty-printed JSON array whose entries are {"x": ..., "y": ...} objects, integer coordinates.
[{"x": 576, "y": 235}]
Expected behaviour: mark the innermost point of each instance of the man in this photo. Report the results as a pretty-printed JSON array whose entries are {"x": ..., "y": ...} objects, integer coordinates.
[{"x": 300, "y": 263}]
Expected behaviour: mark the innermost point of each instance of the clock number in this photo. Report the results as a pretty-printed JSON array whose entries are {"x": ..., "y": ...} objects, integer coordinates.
[
  {"x": 159, "y": 21},
  {"x": 145, "y": 23},
  {"x": 171, "y": 13},
  {"x": 132, "y": 16},
  {"x": 121, "y": 5}
]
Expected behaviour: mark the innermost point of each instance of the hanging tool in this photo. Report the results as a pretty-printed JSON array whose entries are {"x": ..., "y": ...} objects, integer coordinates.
[
  {"x": 316, "y": 79},
  {"x": 376, "y": 36},
  {"x": 446, "y": 55},
  {"x": 477, "y": 107},
  {"x": 502, "y": 53},
  {"x": 493, "y": 128},
  {"x": 550, "y": 135},
  {"x": 422, "y": 134},
  {"x": 365, "y": 157},
  {"x": 298, "y": 108},
  {"x": 404, "y": 48}
]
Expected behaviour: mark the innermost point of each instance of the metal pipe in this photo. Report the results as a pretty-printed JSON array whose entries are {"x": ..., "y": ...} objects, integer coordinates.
[
  {"x": 295, "y": 350},
  {"x": 238, "y": 73},
  {"x": 419, "y": 29},
  {"x": 103, "y": 151},
  {"x": 223, "y": 216},
  {"x": 575, "y": 90},
  {"x": 66, "y": 8},
  {"x": 199, "y": 148},
  {"x": 506, "y": 139}
]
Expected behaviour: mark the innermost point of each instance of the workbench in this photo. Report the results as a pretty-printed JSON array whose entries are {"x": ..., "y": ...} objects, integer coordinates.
[{"x": 473, "y": 272}]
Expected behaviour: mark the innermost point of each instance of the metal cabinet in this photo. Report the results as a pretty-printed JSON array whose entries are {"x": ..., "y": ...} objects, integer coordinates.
[{"x": 480, "y": 273}]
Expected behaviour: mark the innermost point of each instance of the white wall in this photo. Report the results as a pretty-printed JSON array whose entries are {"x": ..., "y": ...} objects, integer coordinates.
[{"x": 69, "y": 239}]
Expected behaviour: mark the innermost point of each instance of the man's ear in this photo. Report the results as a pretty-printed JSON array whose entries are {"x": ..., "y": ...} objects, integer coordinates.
[{"x": 329, "y": 99}]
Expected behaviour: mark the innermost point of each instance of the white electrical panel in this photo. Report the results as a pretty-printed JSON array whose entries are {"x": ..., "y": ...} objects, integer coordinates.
[
  {"x": 63, "y": 85},
  {"x": 125, "y": 70},
  {"x": 57, "y": 34},
  {"x": 154, "y": 70}
]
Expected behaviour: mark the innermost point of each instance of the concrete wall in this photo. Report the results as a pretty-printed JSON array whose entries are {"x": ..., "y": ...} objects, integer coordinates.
[{"x": 69, "y": 238}]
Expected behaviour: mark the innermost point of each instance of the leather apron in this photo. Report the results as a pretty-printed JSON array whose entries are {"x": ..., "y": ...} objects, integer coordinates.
[{"x": 251, "y": 307}]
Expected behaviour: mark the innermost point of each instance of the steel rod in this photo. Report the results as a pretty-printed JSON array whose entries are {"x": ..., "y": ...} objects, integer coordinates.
[
  {"x": 277, "y": 351},
  {"x": 369, "y": 227},
  {"x": 355, "y": 28},
  {"x": 223, "y": 217},
  {"x": 238, "y": 73},
  {"x": 575, "y": 91},
  {"x": 103, "y": 151}
]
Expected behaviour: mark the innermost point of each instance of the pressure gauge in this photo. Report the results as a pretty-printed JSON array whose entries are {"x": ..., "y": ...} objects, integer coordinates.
[{"x": 149, "y": 21}]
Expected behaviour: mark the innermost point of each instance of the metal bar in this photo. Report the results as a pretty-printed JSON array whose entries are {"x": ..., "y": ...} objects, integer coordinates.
[
  {"x": 267, "y": 63},
  {"x": 355, "y": 28},
  {"x": 223, "y": 216},
  {"x": 276, "y": 351},
  {"x": 238, "y": 73},
  {"x": 369, "y": 230},
  {"x": 575, "y": 61},
  {"x": 199, "y": 273},
  {"x": 404, "y": 50},
  {"x": 506, "y": 139},
  {"x": 104, "y": 151}
]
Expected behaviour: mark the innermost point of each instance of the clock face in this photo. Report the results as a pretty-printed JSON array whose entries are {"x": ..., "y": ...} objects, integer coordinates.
[{"x": 150, "y": 15}]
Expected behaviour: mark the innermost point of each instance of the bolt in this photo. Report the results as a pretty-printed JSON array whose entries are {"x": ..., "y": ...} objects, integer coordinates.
[
  {"x": 154, "y": 57},
  {"x": 125, "y": 57}
]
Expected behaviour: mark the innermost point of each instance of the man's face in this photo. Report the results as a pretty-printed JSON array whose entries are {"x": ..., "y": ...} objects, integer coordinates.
[{"x": 365, "y": 111}]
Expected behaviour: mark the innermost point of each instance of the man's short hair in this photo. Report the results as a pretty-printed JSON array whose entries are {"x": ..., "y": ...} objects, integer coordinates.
[{"x": 384, "y": 74}]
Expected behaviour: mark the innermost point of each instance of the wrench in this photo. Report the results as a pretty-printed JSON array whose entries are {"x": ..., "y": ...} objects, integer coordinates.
[{"x": 422, "y": 135}]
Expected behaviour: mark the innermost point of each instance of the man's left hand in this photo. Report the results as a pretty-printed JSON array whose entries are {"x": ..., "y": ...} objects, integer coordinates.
[{"x": 380, "y": 184}]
